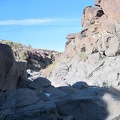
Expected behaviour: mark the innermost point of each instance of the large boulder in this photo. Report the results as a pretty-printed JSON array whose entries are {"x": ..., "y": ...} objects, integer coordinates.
[
  {"x": 90, "y": 15},
  {"x": 18, "y": 98},
  {"x": 23, "y": 104},
  {"x": 85, "y": 105},
  {"x": 9, "y": 69},
  {"x": 111, "y": 9},
  {"x": 39, "y": 83}
]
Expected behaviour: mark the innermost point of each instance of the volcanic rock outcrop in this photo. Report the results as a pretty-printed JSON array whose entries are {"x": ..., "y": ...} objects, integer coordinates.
[
  {"x": 100, "y": 29},
  {"x": 92, "y": 55}
]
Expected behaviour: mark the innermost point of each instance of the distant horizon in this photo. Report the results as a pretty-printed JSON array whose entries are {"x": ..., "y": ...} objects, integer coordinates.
[{"x": 41, "y": 24}]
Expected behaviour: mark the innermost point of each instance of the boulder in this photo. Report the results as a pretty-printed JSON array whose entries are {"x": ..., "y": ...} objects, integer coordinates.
[
  {"x": 90, "y": 16},
  {"x": 107, "y": 25},
  {"x": 84, "y": 104},
  {"x": 39, "y": 83},
  {"x": 68, "y": 89},
  {"x": 111, "y": 9},
  {"x": 52, "y": 94},
  {"x": 71, "y": 36},
  {"x": 23, "y": 80},
  {"x": 37, "y": 111},
  {"x": 23, "y": 104},
  {"x": 80, "y": 85},
  {"x": 18, "y": 98},
  {"x": 82, "y": 109},
  {"x": 9, "y": 69},
  {"x": 114, "y": 47}
]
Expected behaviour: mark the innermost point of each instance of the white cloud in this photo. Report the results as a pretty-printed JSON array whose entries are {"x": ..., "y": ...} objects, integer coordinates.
[
  {"x": 25, "y": 22},
  {"x": 37, "y": 21}
]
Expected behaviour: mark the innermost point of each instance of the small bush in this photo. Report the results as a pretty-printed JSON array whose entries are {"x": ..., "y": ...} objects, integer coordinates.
[
  {"x": 8, "y": 43},
  {"x": 82, "y": 56},
  {"x": 50, "y": 67},
  {"x": 21, "y": 55}
]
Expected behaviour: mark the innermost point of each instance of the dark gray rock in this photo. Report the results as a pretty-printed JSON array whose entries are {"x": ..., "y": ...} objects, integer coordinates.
[
  {"x": 55, "y": 94},
  {"x": 85, "y": 105},
  {"x": 9, "y": 70},
  {"x": 18, "y": 98},
  {"x": 37, "y": 111},
  {"x": 80, "y": 85},
  {"x": 83, "y": 109},
  {"x": 38, "y": 83},
  {"x": 69, "y": 89}
]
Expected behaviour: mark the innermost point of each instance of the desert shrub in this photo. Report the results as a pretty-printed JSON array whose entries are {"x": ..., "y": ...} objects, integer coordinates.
[
  {"x": 50, "y": 67},
  {"x": 11, "y": 44},
  {"x": 8, "y": 43},
  {"x": 21, "y": 55},
  {"x": 16, "y": 46},
  {"x": 82, "y": 56}
]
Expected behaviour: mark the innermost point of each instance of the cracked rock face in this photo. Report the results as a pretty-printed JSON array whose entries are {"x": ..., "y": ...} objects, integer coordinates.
[
  {"x": 101, "y": 26},
  {"x": 92, "y": 55},
  {"x": 111, "y": 9}
]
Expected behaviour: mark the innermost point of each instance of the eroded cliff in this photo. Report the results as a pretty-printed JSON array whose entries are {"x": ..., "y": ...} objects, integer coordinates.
[{"x": 92, "y": 55}]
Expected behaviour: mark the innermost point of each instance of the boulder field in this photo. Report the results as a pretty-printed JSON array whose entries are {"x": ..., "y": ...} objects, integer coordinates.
[{"x": 34, "y": 59}]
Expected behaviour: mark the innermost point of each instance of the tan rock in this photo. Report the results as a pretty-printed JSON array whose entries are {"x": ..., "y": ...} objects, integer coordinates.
[
  {"x": 107, "y": 24},
  {"x": 111, "y": 9},
  {"x": 91, "y": 15},
  {"x": 97, "y": 2},
  {"x": 113, "y": 48},
  {"x": 71, "y": 36}
]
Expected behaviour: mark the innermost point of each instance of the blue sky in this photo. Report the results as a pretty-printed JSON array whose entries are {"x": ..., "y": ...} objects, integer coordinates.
[{"x": 41, "y": 23}]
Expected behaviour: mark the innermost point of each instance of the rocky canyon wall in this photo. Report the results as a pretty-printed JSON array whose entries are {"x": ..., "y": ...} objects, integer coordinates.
[
  {"x": 92, "y": 55},
  {"x": 101, "y": 30}
]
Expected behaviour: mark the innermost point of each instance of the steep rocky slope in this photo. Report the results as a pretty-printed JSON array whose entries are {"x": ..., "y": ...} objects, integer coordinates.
[
  {"x": 39, "y": 100},
  {"x": 92, "y": 55}
]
